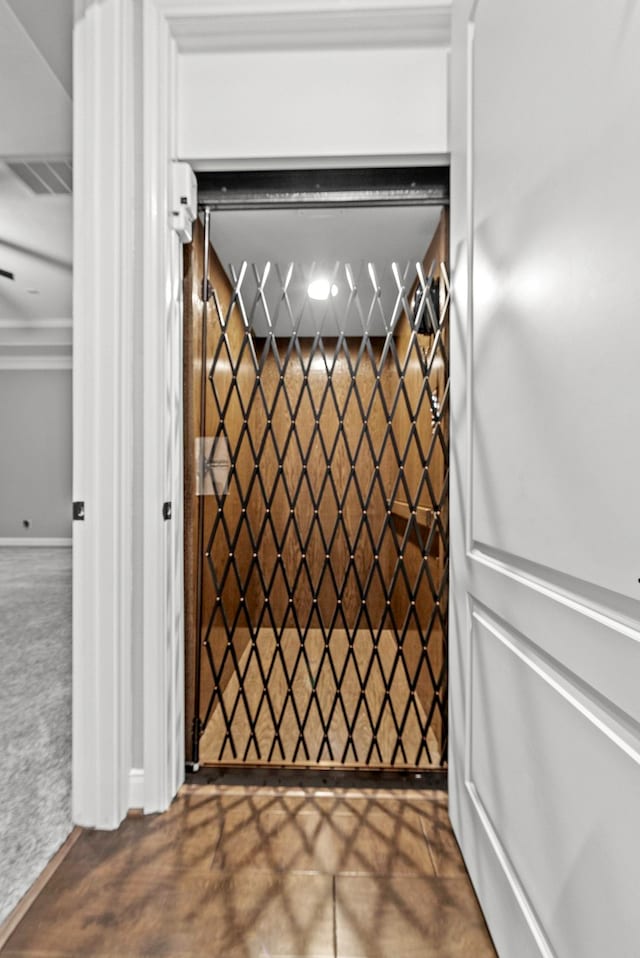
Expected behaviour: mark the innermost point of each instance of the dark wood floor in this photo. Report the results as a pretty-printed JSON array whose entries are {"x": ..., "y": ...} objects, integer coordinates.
[{"x": 251, "y": 872}]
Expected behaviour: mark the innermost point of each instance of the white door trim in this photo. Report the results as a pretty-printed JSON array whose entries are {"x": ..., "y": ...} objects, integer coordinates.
[
  {"x": 102, "y": 420},
  {"x": 163, "y": 648},
  {"x": 169, "y": 25}
]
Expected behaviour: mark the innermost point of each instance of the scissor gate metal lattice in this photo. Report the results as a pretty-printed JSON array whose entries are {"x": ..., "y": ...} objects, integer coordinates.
[{"x": 324, "y": 576}]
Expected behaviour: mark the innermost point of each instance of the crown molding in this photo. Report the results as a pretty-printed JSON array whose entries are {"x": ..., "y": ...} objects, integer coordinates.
[
  {"x": 213, "y": 28},
  {"x": 26, "y": 363},
  {"x": 36, "y": 343},
  {"x": 36, "y": 340}
]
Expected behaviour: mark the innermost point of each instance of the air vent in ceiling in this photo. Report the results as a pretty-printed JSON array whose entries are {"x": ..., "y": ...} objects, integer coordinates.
[{"x": 44, "y": 176}]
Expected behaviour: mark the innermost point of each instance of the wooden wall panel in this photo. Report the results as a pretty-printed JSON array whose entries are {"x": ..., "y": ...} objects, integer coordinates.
[
  {"x": 193, "y": 428},
  {"x": 414, "y": 378},
  {"x": 312, "y": 442}
]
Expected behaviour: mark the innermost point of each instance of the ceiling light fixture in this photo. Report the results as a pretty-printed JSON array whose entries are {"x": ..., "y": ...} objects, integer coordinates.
[{"x": 321, "y": 289}]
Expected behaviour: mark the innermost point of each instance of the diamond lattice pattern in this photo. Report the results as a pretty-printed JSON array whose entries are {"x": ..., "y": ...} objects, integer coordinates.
[{"x": 325, "y": 575}]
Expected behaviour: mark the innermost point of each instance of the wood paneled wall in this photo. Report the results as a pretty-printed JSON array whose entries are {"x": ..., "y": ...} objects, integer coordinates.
[
  {"x": 193, "y": 428},
  {"x": 351, "y": 554},
  {"x": 413, "y": 469}
]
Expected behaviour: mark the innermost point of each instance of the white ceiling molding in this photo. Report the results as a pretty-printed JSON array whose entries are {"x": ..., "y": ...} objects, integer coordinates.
[
  {"x": 298, "y": 29},
  {"x": 43, "y": 363},
  {"x": 35, "y": 343}
]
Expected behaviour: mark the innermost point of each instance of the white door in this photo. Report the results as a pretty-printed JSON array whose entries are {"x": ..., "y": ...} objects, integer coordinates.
[{"x": 545, "y": 500}]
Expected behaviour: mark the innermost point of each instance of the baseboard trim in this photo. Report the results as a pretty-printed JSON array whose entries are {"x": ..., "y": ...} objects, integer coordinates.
[
  {"x": 136, "y": 788},
  {"x": 19, "y": 541},
  {"x": 14, "y": 917}
]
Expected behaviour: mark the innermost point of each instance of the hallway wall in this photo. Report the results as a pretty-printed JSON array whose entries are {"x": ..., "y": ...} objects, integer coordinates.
[
  {"x": 336, "y": 107},
  {"x": 35, "y": 459}
]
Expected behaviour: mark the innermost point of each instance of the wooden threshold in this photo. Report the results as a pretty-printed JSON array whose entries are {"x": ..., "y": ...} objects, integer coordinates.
[
  {"x": 14, "y": 917},
  {"x": 307, "y": 779}
]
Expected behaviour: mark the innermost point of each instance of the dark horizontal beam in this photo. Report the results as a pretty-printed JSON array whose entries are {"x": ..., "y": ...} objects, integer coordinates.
[{"x": 277, "y": 189}]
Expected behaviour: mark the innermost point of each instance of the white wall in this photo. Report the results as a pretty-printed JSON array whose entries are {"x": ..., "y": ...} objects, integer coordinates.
[
  {"x": 348, "y": 103},
  {"x": 35, "y": 458}
]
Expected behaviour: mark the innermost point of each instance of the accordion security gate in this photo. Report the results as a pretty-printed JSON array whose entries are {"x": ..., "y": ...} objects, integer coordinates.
[{"x": 323, "y": 482}]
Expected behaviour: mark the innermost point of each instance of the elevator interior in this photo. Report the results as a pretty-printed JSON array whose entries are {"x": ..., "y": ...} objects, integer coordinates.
[{"x": 316, "y": 443}]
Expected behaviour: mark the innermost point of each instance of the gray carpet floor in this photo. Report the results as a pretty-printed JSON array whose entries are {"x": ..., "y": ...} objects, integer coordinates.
[{"x": 35, "y": 714}]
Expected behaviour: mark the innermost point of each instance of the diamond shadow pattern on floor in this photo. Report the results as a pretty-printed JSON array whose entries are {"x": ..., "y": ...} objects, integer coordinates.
[{"x": 264, "y": 873}]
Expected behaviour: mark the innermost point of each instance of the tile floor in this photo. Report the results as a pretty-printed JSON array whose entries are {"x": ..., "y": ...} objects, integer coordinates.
[{"x": 250, "y": 872}]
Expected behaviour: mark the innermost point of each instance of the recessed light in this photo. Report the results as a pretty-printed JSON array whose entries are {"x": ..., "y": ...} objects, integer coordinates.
[{"x": 321, "y": 289}]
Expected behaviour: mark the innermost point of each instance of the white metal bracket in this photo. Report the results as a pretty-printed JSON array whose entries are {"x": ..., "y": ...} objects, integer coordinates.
[{"x": 184, "y": 200}]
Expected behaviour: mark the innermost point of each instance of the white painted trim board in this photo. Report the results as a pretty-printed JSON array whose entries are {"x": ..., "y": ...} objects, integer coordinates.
[{"x": 136, "y": 788}]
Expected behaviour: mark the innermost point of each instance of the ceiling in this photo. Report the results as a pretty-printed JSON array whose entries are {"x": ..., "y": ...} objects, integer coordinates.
[
  {"x": 320, "y": 242},
  {"x": 35, "y": 228},
  {"x": 35, "y": 245},
  {"x": 49, "y": 24},
  {"x": 35, "y": 77}
]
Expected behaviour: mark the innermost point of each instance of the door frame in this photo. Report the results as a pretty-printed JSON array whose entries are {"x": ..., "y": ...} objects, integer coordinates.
[
  {"x": 356, "y": 188},
  {"x": 125, "y": 62}
]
